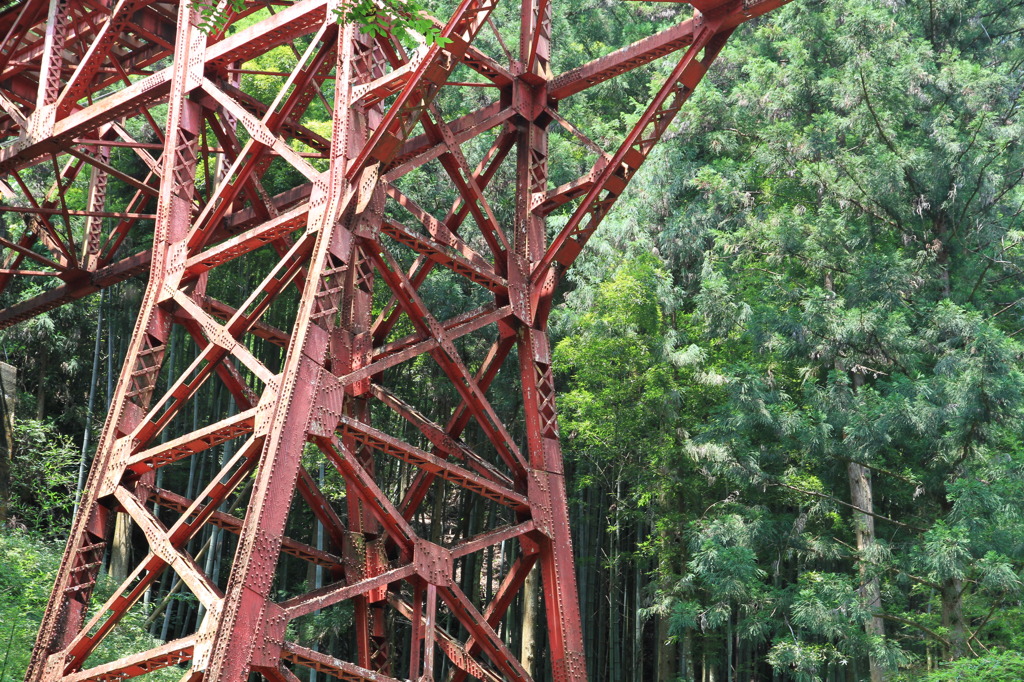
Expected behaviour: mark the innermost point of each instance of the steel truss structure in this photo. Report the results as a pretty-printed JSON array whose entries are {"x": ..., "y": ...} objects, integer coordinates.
[{"x": 166, "y": 137}]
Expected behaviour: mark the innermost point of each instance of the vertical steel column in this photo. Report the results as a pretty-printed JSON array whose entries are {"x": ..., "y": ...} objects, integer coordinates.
[{"x": 546, "y": 484}]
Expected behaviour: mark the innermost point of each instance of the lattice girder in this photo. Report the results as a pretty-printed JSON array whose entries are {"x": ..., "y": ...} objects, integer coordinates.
[{"x": 291, "y": 301}]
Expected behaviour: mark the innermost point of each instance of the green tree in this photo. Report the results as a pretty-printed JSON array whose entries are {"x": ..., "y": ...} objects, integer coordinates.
[
  {"x": 27, "y": 567},
  {"x": 842, "y": 224},
  {"x": 44, "y": 472}
]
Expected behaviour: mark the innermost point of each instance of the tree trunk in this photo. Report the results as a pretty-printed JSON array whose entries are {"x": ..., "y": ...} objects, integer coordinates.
[
  {"x": 669, "y": 666},
  {"x": 686, "y": 661},
  {"x": 530, "y": 651},
  {"x": 640, "y": 667},
  {"x": 588, "y": 536},
  {"x": 437, "y": 513},
  {"x": 728, "y": 649},
  {"x": 668, "y": 656},
  {"x": 861, "y": 495},
  {"x": 8, "y": 393},
  {"x": 44, "y": 370},
  {"x": 953, "y": 617},
  {"x": 83, "y": 464},
  {"x": 615, "y": 614},
  {"x": 120, "y": 549}
]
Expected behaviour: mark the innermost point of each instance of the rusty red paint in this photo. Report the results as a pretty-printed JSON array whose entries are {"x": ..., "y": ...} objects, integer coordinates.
[{"x": 72, "y": 72}]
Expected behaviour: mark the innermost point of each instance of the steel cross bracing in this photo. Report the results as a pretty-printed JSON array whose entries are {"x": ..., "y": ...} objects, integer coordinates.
[{"x": 289, "y": 311}]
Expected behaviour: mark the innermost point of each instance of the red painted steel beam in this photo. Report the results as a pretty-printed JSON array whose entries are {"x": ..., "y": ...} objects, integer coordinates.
[
  {"x": 643, "y": 51},
  {"x": 297, "y": 351}
]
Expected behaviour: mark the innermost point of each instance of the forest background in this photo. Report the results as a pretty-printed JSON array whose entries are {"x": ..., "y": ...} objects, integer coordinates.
[{"x": 790, "y": 363}]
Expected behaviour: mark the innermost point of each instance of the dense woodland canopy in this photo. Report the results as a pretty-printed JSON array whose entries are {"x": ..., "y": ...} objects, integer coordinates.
[{"x": 790, "y": 364}]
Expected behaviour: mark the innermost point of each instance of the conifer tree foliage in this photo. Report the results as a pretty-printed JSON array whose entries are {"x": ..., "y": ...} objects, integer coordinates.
[{"x": 841, "y": 220}]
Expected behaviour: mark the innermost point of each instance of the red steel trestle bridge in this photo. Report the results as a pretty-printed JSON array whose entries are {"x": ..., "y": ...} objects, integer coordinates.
[{"x": 134, "y": 141}]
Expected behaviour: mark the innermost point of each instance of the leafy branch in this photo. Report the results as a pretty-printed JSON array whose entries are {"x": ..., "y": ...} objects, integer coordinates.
[
  {"x": 401, "y": 18},
  {"x": 214, "y": 16}
]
